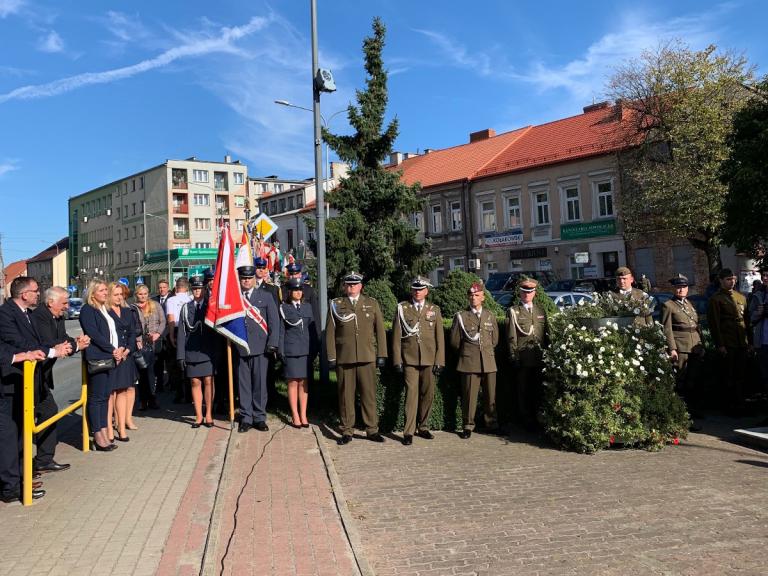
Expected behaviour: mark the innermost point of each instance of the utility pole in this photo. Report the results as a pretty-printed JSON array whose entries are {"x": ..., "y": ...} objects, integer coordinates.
[{"x": 2, "y": 272}]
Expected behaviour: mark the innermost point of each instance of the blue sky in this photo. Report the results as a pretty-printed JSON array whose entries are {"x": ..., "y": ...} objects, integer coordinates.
[{"x": 94, "y": 90}]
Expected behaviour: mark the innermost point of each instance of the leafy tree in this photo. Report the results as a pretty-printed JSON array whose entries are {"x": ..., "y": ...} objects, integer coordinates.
[
  {"x": 679, "y": 105},
  {"x": 746, "y": 174},
  {"x": 451, "y": 295},
  {"x": 373, "y": 233}
]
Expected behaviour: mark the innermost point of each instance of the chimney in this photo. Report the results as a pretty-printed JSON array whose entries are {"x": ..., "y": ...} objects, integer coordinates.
[
  {"x": 618, "y": 109},
  {"x": 595, "y": 107},
  {"x": 428, "y": 150},
  {"x": 481, "y": 135},
  {"x": 227, "y": 159},
  {"x": 396, "y": 158}
]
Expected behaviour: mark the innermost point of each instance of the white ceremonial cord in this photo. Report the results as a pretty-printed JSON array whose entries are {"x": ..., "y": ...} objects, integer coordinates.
[
  {"x": 408, "y": 330},
  {"x": 185, "y": 314},
  {"x": 517, "y": 325},
  {"x": 299, "y": 322},
  {"x": 473, "y": 339},
  {"x": 343, "y": 319}
]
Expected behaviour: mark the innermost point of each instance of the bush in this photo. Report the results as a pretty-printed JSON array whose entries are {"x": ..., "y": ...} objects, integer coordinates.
[
  {"x": 609, "y": 385},
  {"x": 382, "y": 292},
  {"x": 451, "y": 295}
]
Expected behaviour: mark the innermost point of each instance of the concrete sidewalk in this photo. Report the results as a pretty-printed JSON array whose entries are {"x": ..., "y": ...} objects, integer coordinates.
[{"x": 177, "y": 500}]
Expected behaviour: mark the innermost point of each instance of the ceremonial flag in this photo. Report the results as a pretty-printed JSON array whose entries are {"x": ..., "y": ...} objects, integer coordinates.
[
  {"x": 226, "y": 312},
  {"x": 244, "y": 254}
]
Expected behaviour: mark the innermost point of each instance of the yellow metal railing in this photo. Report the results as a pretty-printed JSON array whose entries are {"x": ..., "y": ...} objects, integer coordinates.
[{"x": 30, "y": 429}]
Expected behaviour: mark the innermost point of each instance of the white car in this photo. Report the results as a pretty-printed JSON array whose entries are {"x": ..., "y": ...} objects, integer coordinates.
[{"x": 567, "y": 299}]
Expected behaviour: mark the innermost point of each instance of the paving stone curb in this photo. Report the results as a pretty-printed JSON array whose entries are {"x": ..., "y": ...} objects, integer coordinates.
[{"x": 350, "y": 528}]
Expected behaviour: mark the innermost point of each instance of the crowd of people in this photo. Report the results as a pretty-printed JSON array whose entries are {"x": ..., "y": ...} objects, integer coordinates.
[{"x": 163, "y": 341}]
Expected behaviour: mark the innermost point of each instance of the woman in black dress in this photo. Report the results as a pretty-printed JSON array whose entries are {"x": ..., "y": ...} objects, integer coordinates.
[
  {"x": 125, "y": 374},
  {"x": 195, "y": 351},
  {"x": 298, "y": 342}
]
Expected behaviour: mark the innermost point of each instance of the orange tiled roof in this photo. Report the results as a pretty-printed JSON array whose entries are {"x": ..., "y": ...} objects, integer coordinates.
[
  {"x": 592, "y": 133},
  {"x": 14, "y": 270},
  {"x": 456, "y": 163}
]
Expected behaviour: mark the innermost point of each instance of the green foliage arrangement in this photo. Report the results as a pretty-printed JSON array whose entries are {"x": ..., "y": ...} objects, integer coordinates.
[
  {"x": 382, "y": 292},
  {"x": 451, "y": 295},
  {"x": 609, "y": 385}
]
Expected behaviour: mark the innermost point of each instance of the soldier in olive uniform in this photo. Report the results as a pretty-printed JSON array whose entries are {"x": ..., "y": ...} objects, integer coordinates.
[
  {"x": 527, "y": 336},
  {"x": 725, "y": 315},
  {"x": 418, "y": 352},
  {"x": 625, "y": 292},
  {"x": 681, "y": 327},
  {"x": 356, "y": 344},
  {"x": 474, "y": 334}
]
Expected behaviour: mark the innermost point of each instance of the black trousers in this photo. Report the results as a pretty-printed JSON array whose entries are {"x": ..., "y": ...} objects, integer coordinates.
[
  {"x": 47, "y": 439},
  {"x": 10, "y": 478}
]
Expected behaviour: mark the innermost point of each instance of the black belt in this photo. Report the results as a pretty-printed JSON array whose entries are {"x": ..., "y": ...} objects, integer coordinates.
[{"x": 684, "y": 329}]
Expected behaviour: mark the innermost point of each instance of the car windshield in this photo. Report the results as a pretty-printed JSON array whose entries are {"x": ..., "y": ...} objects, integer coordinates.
[{"x": 496, "y": 281}]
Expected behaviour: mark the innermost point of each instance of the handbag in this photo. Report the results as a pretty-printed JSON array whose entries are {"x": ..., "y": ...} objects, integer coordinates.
[
  {"x": 99, "y": 366},
  {"x": 141, "y": 361}
]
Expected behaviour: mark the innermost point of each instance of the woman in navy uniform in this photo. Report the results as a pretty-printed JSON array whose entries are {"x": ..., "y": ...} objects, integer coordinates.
[
  {"x": 196, "y": 351},
  {"x": 297, "y": 348}
]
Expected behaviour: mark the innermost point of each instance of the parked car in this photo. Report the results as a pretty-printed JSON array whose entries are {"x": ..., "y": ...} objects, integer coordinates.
[
  {"x": 499, "y": 282},
  {"x": 568, "y": 299},
  {"x": 587, "y": 285},
  {"x": 74, "y": 308}
]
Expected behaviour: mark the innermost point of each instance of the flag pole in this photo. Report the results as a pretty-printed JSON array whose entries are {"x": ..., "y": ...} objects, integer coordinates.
[{"x": 231, "y": 386}]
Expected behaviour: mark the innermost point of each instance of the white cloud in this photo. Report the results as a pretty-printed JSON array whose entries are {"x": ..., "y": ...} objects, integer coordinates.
[
  {"x": 8, "y": 165},
  {"x": 125, "y": 27},
  {"x": 8, "y": 7},
  {"x": 51, "y": 43},
  {"x": 224, "y": 42},
  {"x": 458, "y": 55}
]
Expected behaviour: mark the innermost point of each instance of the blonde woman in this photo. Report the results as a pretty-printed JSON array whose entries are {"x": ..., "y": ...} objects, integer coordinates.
[
  {"x": 125, "y": 373},
  {"x": 100, "y": 327},
  {"x": 151, "y": 326}
]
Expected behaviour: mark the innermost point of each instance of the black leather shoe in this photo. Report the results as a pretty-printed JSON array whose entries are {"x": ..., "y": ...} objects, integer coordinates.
[
  {"x": 261, "y": 426},
  {"x": 196, "y": 424},
  {"x": 376, "y": 437},
  {"x": 243, "y": 427},
  {"x": 426, "y": 434},
  {"x": 123, "y": 439},
  {"x": 16, "y": 496},
  {"x": 407, "y": 440},
  {"x": 345, "y": 439},
  {"x": 53, "y": 466},
  {"x": 465, "y": 434}
]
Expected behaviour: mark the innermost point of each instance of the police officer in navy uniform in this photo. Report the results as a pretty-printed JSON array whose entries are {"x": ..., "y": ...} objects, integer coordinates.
[
  {"x": 262, "y": 280},
  {"x": 196, "y": 351},
  {"x": 263, "y": 339},
  {"x": 298, "y": 346}
]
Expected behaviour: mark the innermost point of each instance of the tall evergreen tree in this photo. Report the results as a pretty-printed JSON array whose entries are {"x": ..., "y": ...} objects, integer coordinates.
[{"x": 373, "y": 232}]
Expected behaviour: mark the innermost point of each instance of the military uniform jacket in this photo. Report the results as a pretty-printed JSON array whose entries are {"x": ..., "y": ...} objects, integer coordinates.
[
  {"x": 639, "y": 296},
  {"x": 725, "y": 315},
  {"x": 298, "y": 334},
  {"x": 681, "y": 325},
  {"x": 196, "y": 341},
  {"x": 476, "y": 341},
  {"x": 270, "y": 289},
  {"x": 355, "y": 335},
  {"x": 258, "y": 341},
  {"x": 527, "y": 334},
  {"x": 417, "y": 337}
]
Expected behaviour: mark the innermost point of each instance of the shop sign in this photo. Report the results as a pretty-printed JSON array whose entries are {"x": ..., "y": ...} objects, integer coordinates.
[
  {"x": 528, "y": 253},
  {"x": 499, "y": 239},
  {"x": 590, "y": 271},
  {"x": 545, "y": 265},
  {"x": 587, "y": 230},
  {"x": 581, "y": 257}
]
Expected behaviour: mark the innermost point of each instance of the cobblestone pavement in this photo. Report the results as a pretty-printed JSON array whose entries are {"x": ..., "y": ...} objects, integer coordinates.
[
  {"x": 494, "y": 506},
  {"x": 111, "y": 512},
  {"x": 277, "y": 514}
]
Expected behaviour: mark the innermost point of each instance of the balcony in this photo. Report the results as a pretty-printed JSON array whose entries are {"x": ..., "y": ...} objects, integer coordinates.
[
  {"x": 181, "y": 208},
  {"x": 181, "y": 234}
]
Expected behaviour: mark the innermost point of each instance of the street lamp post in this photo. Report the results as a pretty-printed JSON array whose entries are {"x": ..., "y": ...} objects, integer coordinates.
[{"x": 164, "y": 219}]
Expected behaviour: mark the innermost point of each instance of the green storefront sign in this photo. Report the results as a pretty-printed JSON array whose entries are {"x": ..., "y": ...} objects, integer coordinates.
[{"x": 588, "y": 230}]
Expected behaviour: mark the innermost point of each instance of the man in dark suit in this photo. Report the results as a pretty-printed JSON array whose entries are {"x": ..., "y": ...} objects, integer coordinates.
[
  {"x": 10, "y": 473},
  {"x": 263, "y": 325},
  {"x": 161, "y": 351},
  {"x": 48, "y": 320},
  {"x": 18, "y": 333}
]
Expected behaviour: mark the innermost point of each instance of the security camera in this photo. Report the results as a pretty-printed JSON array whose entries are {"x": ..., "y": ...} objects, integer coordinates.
[{"x": 324, "y": 81}]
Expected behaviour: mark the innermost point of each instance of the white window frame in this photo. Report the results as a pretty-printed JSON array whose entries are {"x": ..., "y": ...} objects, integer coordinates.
[
  {"x": 457, "y": 223},
  {"x": 535, "y": 204},
  {"x": 436, "y": 218},
  {"x": 565, "y": 188},
  {"x": 597, "y": 195},
  {"x": 200, "y": 176},
  {"x": 457, "y": 263},
  {"x": 489, "y": 197},
  {"x": 507, "y": 195},
  {"x": 201, "y": 199},
  {"x": 238, "y": 177},
  {"x": 202, "y": 223},
  {"x": 417, "y": 221}
]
